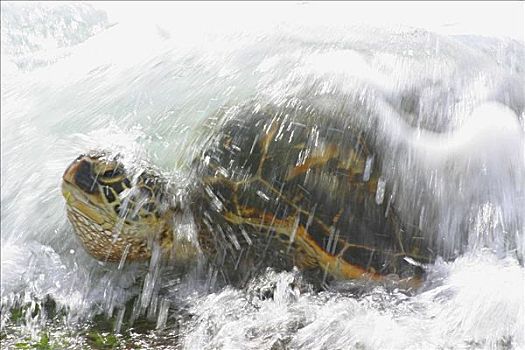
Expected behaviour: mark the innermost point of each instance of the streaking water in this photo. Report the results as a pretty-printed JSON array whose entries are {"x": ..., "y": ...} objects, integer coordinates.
[{"x": 451, "y": 122}]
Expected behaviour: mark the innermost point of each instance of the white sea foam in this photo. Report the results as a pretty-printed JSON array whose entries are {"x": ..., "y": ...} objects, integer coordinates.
[{"x": 449, "y": 113}]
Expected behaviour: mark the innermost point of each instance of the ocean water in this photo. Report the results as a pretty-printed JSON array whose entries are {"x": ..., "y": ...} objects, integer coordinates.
[{"x": 452, "y": 126}]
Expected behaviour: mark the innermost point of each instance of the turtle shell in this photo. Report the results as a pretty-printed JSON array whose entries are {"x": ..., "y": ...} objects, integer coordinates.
[{"x": 288, "y": 187}]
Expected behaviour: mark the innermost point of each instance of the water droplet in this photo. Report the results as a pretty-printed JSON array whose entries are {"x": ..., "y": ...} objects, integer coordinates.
[
  {"x": 380, "y": 193},
  {"x": 368, "y": 168},
  {"x": 163, "y": 313},
  {"x": 263, "y": 195}
]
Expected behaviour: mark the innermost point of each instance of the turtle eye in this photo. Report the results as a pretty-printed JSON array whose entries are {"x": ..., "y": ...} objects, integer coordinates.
[
  {"x": 111, "y": 173},
  {"x": 108, "y": 173}
]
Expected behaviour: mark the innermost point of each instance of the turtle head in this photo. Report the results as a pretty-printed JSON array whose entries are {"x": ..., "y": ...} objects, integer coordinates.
[{"x": 116, "y": 214}]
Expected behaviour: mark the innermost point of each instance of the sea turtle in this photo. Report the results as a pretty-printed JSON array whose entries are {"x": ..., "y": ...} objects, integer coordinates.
[{"x": 274, "y": 186}]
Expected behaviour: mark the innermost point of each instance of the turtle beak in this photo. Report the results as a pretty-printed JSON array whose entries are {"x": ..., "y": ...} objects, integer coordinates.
[
  {"x": 80, "y": 190},
  {"x": 70, "y": 172}
]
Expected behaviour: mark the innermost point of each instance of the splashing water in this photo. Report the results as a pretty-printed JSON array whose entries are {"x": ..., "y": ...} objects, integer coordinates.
[{"x": 451, "y": 126}]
